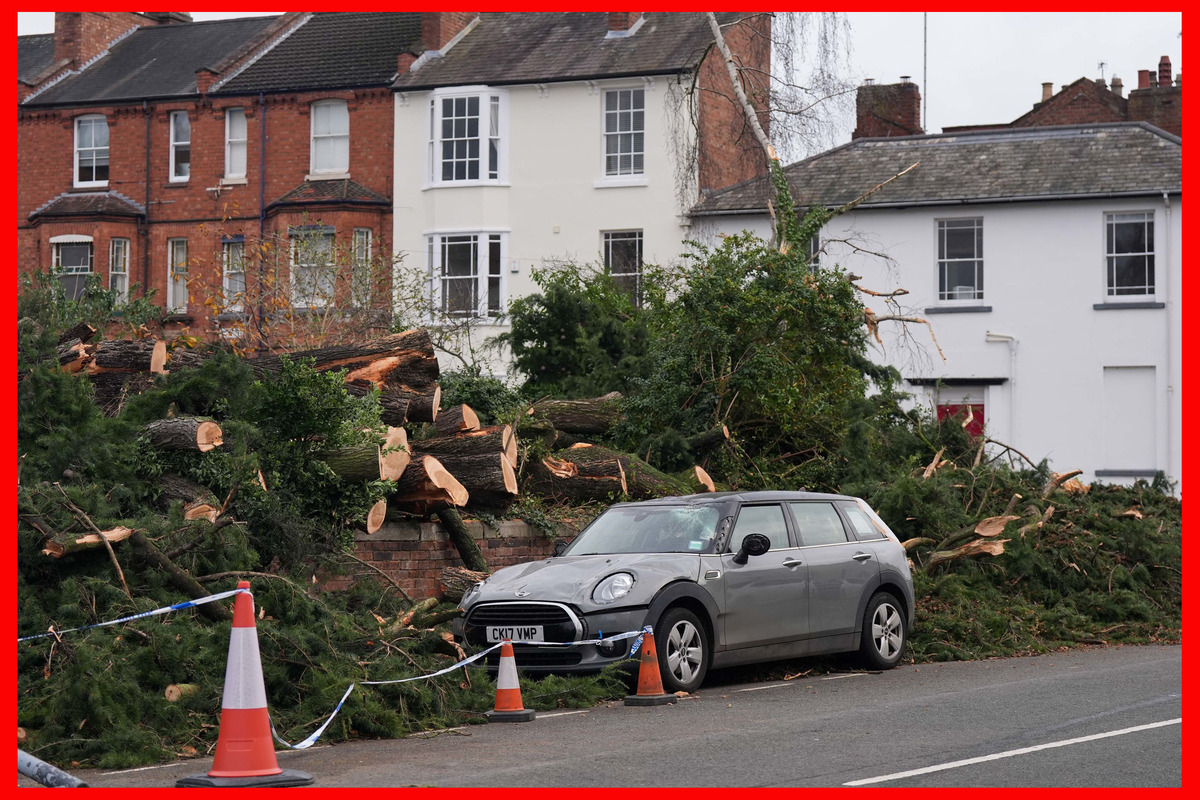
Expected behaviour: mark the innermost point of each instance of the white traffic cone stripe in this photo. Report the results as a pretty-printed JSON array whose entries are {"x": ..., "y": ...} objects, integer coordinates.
[
  {"x": 506, "y": 678},
  {"x": 243, "y": 672}
]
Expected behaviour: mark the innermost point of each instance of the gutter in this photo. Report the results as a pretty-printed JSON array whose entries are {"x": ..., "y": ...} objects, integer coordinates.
[
  {"x": 146, "y": 226},
  {"x": 1170, "y": 463}
]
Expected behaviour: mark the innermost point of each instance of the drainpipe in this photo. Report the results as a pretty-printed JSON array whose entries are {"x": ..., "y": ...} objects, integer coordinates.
[
  {"x": 989, "y": 336},
  {"x": 146, "y": 224},
  {"x": 1170, "y": 331},
  {"x": 262, "y": 204}
]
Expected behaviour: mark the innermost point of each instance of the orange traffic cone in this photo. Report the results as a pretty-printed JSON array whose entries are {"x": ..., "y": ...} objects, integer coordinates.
[
  {"x": 245, "y": 750},
  {"x": 508, "y": 691},
  {"x": 650, "y": 689}
]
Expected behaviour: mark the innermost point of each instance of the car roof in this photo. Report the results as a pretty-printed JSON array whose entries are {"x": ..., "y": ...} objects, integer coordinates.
[{"x": 743, "y": 497}]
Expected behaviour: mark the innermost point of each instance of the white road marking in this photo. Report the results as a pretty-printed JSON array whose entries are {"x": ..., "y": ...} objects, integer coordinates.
[
  {"x": 1010, "y": 753},
  {"x": 561, "y": 714},
  {"x": 759, "y": 688},
  {"x": 847, "y": 675}
]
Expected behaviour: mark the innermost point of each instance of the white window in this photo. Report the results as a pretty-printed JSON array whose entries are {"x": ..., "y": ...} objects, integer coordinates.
[
  {"x": 624, "y": 132},
  {"x": 235, "y": 143},
  {"x": 466, "y": 273},
  {"x": 177, "y": 276},
  {"x": 73, "y": 264},
  {"x": 623, "y": 260},
  {"x": 960, "y": 259},
  {"x": 313, "y": 272},
  {"x": 91, "y": 151},
  {"x": 467, "y": 136},
  {"x": 233, "y": 273},
  {"x": 181, "y": 146},
  {"x": 330, "y": 138},
  {"x": 118, "y": 268},
  {"x": 1129, "y": 250},
  {"x": 814, "y": 252},
  {"x": 363, "y": 273}
]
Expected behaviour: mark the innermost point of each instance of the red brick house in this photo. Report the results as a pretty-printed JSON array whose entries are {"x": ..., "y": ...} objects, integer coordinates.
[{"x": 205, "y": 162}]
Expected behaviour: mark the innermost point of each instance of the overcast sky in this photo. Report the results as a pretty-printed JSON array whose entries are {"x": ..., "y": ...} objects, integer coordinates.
[{"x": 976, "y": 67}]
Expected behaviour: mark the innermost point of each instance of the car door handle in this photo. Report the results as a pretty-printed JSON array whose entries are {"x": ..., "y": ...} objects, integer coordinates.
[
  {"x": 861, "y": 557},
  {"x": 792, "y": 563}
]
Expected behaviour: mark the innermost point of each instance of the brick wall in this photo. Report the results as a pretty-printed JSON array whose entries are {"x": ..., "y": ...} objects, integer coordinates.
[
  {"x": 415, "y": 553},
  {"x": 887, "y": 110},
  {"x": 728, "y": 150}
]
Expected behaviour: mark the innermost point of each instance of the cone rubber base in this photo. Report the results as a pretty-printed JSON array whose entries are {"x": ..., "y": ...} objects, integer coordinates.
[
  {"x": 520, "y": 715},
  {"x": 649, "y": 699},
  {"x": 288, "y": 777}
]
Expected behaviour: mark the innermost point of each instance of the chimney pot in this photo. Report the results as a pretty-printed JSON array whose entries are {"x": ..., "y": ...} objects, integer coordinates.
[
  {"x": 868, "y": 81},
  {"x": 1047, "y": 91},
  {"x": 1164, "y": 71},
  {"x": 1118, "y": 88},
  {"x": 904, "y": 79}
]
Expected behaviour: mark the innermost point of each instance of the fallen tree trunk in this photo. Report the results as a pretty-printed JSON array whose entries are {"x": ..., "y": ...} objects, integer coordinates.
[
  {"x": 592, "y": 416},
  {"x": 426, "y": 480},
  {"x": 642, "y": 480},
  {"x": 376, "y": 516},
  {"x": 468, "y": 548},
  {"x": 457, "y": 580},
  {"x": 559, "y": 479},
  {"x": 184, "y": 433},
  {"x": 397, "y": 406},
  {"x": 406, "y": 361},
  {"x": 456, "y": 419},
  {"x": 371, "y": 462},
  {"x": 701, "y": 443},
  {"x": 129, "y": 355},
  {"x": 178, "y": 577},
  {"x": 486, "y": 472},
  {"x": 198, "y": 502},
  {"x": 73, "y": 356},
  {"x": 80, "y": 330},
  {"x": 60, "y": 545},
  {"x": 697, "y": 480},
  {"x": 110, "y": 390},
  {"x": 494, "y": 439}
]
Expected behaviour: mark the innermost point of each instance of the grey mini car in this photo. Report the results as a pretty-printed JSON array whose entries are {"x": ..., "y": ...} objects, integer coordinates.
[{"x": 724, "y": 578}]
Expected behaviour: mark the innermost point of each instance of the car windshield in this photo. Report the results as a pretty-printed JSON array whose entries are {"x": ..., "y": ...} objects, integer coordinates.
[{"x": 649, "y": 529}]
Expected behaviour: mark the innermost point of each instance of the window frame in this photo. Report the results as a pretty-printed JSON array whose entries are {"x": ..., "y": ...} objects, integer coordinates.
[
  {"x": 489, "y": 290},
  {"x": 73, "y": 279},
  {"x": 313, "y": 136},
  {"x": 1150, "y": 288},
  {"x": 175, "y": 146},
  {"x": 945, "y": 292},
  {"x": 233, "y": 301},
  {"x": 848, "y": 535},
  {"x": 633, "y": 174},
  {"x": 298, "y": 235},
  {"x": 78, "y": 149},
  {"x": 734, "y": 542},
  {"x": 362, "y": 276},
  {"x": 114, "y": 244},
  {"x": 231, "y": 142},
  {"x": 607, "y": 239},
  {"x": 492, "y": 137},
  {"x": 177, "y": 267}
]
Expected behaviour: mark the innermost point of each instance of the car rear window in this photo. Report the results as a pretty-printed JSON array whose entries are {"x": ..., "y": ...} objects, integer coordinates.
[{"x": 819, "y": 523}]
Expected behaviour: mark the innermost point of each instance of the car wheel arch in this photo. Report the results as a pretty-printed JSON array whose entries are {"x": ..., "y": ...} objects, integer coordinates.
[
  {"x": 894, "y": 588},
  {"x": 688, "y": 595}
]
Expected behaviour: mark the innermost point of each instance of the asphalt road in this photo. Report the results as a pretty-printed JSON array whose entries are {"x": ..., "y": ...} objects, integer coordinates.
[{"x": 1102, "y": 717}]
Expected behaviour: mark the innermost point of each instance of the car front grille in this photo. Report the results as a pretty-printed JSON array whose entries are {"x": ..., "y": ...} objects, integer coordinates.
[{"x": 558, "y": 624}]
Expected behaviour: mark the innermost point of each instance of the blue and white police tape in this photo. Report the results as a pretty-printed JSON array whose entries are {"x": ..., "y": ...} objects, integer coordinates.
[
  {"x": 311, "y": 740},
  {"x": 640, "y": 635},
  {"x": 177, "y": 607}
]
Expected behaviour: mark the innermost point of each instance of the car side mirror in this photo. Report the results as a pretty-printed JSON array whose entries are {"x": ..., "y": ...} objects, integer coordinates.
[
  {"x": 754, "y": 544},
  {"x": 559, "y": 546}
]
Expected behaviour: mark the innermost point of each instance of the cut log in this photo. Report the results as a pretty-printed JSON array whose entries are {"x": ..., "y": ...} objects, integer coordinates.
[
  {"x": 177, "y": 691},
  {"x": 80, "y": 330},
  {"x": 198, "y": 502},
  {"x": 592, "y": 416},
  {"x": 184, "y": 433},
  {"x": 360, "y": 462},
  {"x": 376, "y": 516},
  {"x": 493, "y": 439},
  {"x": 397, "y": 406},
  {"x": 73, "y": 356},
  {"x": 424, "y": 605},
  {"x": 129, "y": 355},
  {"x": 456, "y": 419},
  {"x": 538, "y": 430},
  {"x": 457, "y": 580},
  {"x": 425, "y": 479},
  {"x": 642, "y": 480},
  {"x": 697, "y": 480},
  {"x": 61, "y": 545},
  {"x": 487, "y": 472},
  {"x": 394, "y": 454},
  {"x": 701, "y": 443},
  {"x": 565, "y": 480},
  {"x": 406, "y": 361}
]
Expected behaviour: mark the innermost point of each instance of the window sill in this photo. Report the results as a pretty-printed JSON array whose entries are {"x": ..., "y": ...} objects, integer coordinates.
[
  {"x": 232, "y": 182},
  {"x": 232, "y": 316},
  {"x": 621, "y": 183},
  {"x": 89, "y": 187},
  {"x": 178, "y": 316},
  {"x": 1134, "y": 304},
  {"x": 175, "y": 185},
  {"x": 1126, "y": 473},
  {"x": 327, "y": 176},
  {"x": 465, "y": 185},
  {"x": 959, "y": 310}
]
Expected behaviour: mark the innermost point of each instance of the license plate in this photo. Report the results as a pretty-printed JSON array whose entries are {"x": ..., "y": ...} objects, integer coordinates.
[{"x": 519, "y": 633}]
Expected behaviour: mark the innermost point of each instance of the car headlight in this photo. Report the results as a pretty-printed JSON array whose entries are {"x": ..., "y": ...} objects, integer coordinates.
[
  {"x": 469, "y": 595},
  {"x": 613, "y": 588}
]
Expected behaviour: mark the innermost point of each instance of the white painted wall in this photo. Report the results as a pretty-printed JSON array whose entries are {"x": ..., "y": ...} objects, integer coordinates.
[
  {"x": 555, "y": 204},
  {"x": 1044, "y": 269}
]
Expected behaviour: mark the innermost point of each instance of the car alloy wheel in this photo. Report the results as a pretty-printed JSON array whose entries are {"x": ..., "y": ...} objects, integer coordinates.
[
  {"x": 682, "y": 645},
  {"x": 883, "y": 636}
]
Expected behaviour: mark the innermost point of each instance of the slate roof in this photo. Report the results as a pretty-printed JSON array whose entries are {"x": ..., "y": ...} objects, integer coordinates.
[
  {"x": 34, "y": 54},
  {"x": 341, "y": 191},
  {"x": 514, "y": 48},
  {"x": 90, "y": 204},
  {"x": 333, "y": 50},
  {"x": 1125, "y": 158},
  {"x": 154, "y": 61}
]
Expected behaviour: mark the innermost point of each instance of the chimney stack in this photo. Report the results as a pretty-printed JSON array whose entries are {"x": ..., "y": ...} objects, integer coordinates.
[
  {"x": 888, "y": 110},
  {"x": 622, "y": 20},
  {"x": 439, "y": 27},
  {"x": 168, "y": 17},
  {"x": 1164, "y": 71},
  {"x": 1118, "y": 88},
  {"x": 1047, "y": 91},
  {"x": 1143, "y": 79}
]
